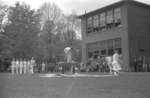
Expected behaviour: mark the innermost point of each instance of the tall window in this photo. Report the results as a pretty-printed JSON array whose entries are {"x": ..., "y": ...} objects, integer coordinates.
[
  {"x": 117, "y": 43},
  {"x": 89, "y": 24},
  {"x": 95, "y": 22},
  {"x": 96, "y": 54},
  {"x": 103, "y": 49},
  {"x": 102, "y": 20},
  {"x": 110, "y": 47},
  {"x": 109, "y": 19},
  {"x": 90, "y": 54},
  {"x": 117, "y": 16}
]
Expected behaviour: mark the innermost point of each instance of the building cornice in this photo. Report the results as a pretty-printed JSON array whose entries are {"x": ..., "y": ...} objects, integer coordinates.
[{"x": 117, "y": 4}]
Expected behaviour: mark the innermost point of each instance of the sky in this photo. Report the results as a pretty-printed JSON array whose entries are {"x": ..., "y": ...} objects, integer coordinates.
[{"x": 68, "y": 6}]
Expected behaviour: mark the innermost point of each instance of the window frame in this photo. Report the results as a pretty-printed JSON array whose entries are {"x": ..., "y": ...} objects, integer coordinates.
[
  {"x": 89, "y": 24},
  {"x": 96, "y": 22},
  {"x": 117, "y": 16},
  {"x": 110, "y": 17},
  {"x": 102, "y": 20}
]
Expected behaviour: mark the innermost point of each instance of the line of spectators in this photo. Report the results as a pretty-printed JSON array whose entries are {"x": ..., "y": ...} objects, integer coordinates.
[{"x": 140, "y": 64}]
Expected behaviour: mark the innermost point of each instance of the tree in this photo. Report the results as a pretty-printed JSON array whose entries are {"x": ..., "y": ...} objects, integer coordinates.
[
  {"x": 74, "y": 25},
  {"x": 50, "y": 16},
  {"x": 50, "y": 12},
  {"x": 46, "y": 38},
  {"x": 3, "y": 22},
  {"x": 57, "y": 30},
  {"x": 3, "y": 15},
  {"x": 23, "y": 30}
]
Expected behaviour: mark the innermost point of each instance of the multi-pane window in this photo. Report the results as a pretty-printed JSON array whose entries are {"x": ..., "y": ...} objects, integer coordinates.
[
  {"x": 105, "y": 20},
  {"x": 90, "y": 54},
  {"x": 110, "y": 17},
  {"x": 102, "y": 19},
  {"x": 95, "y": 22},
  {"x": 117, "y": 43},
  {"x": 103, "y": 48},
  {"x": 89, "y": 24},
  {"x": 117, "y": 16},
  {"x": 96, "y": 54},
  {"x": 110, "y": 47},
  {"x": 110, "y": 44},
  {"x": 103, "y": 52},
  {"x": 89, "y": 50}
]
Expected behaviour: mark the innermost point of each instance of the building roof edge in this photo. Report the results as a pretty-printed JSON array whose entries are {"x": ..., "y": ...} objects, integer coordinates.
[{"x": 115, "y": 4}]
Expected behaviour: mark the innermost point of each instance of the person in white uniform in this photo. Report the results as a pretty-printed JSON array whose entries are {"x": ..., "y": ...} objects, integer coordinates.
[
  {"x": 43, "y": 67},
  {"x": 28, "y": 66},
  {"x": 32, "y": 64},
  {"x": 17, "y": 66},
  {"x": 68, "y": 52},
  {"x": 21, "y": 66},
  {"x": 24, "y": 66},
  {"x": 109, "y": 63},
  {"x": 116, "y": 63},
  {"x": 69, "y": 58},
  {"x": 13, "y": 66}
]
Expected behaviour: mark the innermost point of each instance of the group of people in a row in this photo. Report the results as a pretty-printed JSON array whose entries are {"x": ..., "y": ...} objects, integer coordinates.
[
  {"x": 141, "y": 64},
  {"x": 22, "y": 66},
  {"x": 113, "y": 63}
]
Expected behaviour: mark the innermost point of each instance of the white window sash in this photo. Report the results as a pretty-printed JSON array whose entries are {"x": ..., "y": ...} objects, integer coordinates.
[
  {"x": 95, "y": 21},
  {"x": 110, "y": 17},
  {"x": 102, "y": 19},
  {"x": 89, "y": 22},
  {"x": 117, "y": 15}
]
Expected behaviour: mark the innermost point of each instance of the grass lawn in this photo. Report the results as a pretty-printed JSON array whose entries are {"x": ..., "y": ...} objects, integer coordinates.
[{"x": 127, "y": 85}]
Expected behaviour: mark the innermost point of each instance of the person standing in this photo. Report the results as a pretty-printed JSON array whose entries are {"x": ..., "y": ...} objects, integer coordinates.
[
  {"x": 140, "y": 63},
  {"x": 32, "y": 64},
  {"x": 43, "y": 67},
  {"x": 116, "y": 63},
  {"x": 13, "y": 66},
  {"x": 109, "y": 63},
  {"x": 69, "y": 56},
  {"x": 24, "y": 66},
  {"x": 17, "y": 66},
  {"x": 28, "y": 66},
  {"x": 21, "y": 66},
  {"x": 135, "y": 65}
]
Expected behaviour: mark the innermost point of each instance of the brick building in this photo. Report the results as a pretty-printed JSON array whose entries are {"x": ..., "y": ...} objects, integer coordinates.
[{"x": 124, "y": 25}]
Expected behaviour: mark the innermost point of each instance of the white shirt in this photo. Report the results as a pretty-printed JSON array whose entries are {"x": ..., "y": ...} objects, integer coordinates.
[{"x": 116, "y": 57}]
